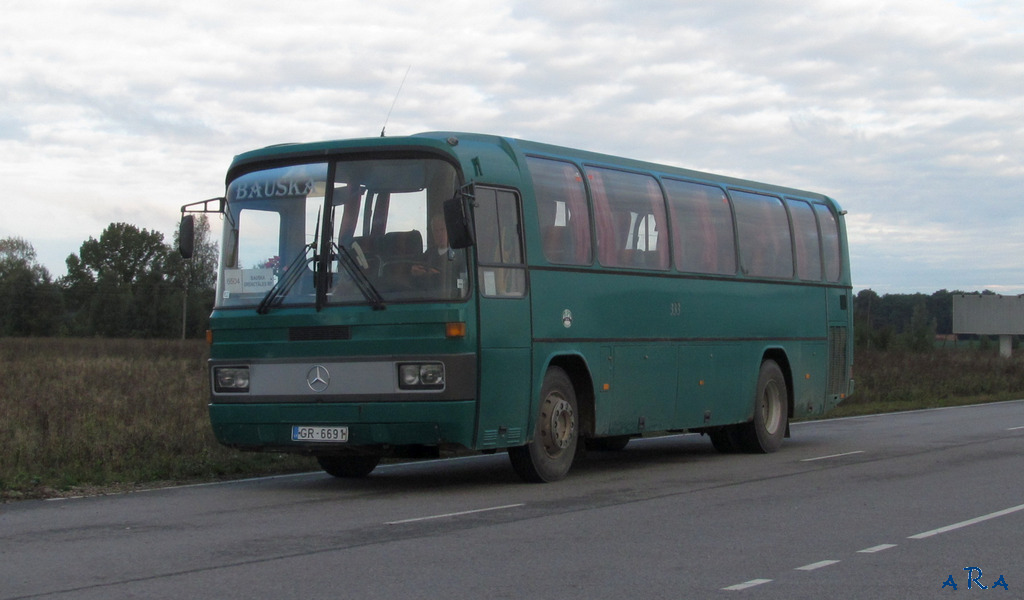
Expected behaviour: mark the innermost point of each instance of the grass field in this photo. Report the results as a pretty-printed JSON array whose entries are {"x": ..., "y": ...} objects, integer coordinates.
[
  {"x": 898, "y": 380},
  {"x": 79, "y": 415}
]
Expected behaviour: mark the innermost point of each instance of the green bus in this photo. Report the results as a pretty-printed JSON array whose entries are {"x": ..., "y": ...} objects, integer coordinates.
[{"x": 441, "y": 293}]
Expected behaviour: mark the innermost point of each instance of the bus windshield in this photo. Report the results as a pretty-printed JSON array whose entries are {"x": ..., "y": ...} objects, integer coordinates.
[{"x": 351, "y": 232}]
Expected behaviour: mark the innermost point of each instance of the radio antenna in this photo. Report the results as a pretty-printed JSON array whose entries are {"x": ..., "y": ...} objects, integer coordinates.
[{"x": 394, "y": 101}]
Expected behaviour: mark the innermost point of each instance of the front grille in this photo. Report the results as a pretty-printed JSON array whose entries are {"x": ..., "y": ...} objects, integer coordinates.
[{"x": 319, "y": 333}]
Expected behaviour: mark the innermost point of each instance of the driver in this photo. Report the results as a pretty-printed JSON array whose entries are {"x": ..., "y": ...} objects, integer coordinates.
[{"x": 437, "y": 258}]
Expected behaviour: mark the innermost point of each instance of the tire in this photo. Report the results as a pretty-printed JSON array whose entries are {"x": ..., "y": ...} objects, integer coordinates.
[
  {"x": 556, "y": 437},
  {"x": 612, "y": 443},
  {"x": 349, "y": 466},
  {"x": 771, "y": 412}
]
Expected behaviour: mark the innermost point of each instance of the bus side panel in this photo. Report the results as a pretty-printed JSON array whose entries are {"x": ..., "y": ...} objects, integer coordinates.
[
  {"x": 505, "y": 397},
  {"x": 672, "y": 352},
  {"x": 809, "y": 365},
  {"x": 634, "y": 387},
  {"x": 670, "y": 386},
  {"x": 710, "y": 392},
  {"x": 642, "y": 393}
]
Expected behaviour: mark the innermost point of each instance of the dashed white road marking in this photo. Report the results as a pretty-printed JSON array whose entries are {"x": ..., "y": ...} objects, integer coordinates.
[
  {"x": 877, "y": 548},
  {"x": 817, "y": 565},
  {"x": 831, "y": 456},
  {"x": 746, "y": 584},
  {"x": 454, "y": 514}
]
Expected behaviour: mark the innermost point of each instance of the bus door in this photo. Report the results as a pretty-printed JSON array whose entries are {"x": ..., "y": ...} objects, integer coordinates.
[{"x": 503, "y": 319}]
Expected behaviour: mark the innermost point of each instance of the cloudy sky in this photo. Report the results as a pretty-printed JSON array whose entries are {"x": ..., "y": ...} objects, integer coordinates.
[{"x": 909, "y": 112}]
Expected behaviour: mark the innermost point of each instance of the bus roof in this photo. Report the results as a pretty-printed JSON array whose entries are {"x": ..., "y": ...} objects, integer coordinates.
[{"x": 447, "y": 143}]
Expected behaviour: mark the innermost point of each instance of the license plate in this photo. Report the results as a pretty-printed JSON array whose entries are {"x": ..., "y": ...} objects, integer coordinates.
[{"x": 318, "y": 433}]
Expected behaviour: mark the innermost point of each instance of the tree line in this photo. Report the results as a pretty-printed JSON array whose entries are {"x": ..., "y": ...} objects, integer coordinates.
[
  {"x": 904, "y": 321},
  {"x": 129, "y": 283},
  {"x": 126, "y": 283}
]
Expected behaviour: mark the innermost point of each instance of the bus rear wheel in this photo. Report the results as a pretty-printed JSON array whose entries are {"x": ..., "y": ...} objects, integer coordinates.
[
  {"x": 349, "y": 466},
  {"x": 549, "y": 455},
  {"x": 771, "y": 415}
]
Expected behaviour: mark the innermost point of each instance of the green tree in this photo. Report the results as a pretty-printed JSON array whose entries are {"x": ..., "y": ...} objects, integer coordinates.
[
  {"x": 919, "y": 335},
  {"x": 124, "y": 254},
  {"x": 117, "y": 284},
  {"x": 30, "y": 303},
  {"x": 940, "y": 308},
  {"x": 78, "y": 287}
]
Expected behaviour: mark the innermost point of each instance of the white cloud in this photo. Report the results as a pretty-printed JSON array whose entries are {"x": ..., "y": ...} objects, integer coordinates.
[{"x": 908, "y": 112}]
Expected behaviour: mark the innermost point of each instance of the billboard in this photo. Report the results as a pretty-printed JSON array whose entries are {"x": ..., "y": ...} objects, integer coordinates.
[{"x": 988, "y": 314}]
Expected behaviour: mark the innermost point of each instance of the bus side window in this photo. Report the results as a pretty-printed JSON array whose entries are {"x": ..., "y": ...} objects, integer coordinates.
[
  {"x": 805, "y": 232},
  {"x": 830, "y": 242},
  {"x": 562, "y": 212},
  {"x": 630, "y": 214},
  {"x": 766, "y": 249},
  {"x": 502, "y": 272},
  {"x": 702, "y": 227}
]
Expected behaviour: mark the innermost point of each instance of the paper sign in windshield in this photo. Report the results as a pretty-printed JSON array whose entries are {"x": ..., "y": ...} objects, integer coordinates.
[{"x": 248, "y": 281}]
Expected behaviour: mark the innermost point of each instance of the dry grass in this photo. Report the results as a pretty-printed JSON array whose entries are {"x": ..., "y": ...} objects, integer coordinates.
[
  {"x": 98, "y": 412},
  {"x": 899, "y": 380}
]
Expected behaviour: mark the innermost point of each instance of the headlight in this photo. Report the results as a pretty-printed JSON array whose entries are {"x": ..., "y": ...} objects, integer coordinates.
[
  {"x": 421, "y": 376},
  {"x": 231, "y": 379}
]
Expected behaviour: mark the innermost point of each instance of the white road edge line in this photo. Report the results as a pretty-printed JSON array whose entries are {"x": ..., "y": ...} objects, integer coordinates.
[
  {"x": 747, "y": 584},
  {"x": 454, "y": 514},
  {"x": 1015, "y": 428},
  {"x": 967, "y": 523},
  {"x": 907, "y": 412},
  {"x": 877, "y": 548},
  {"x": 831, "y": 456},
  {"x": 817, "y": 565}
]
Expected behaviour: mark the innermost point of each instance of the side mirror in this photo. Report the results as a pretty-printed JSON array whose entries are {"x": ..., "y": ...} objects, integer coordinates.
[
  {"x": 458, "y": 219},
  {"x": 187, "y": 236}
]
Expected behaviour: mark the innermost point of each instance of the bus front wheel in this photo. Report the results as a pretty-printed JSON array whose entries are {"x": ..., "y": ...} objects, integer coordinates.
[
  {"x": 556, "y": 436},
  {"x": 765, "y": 432}
]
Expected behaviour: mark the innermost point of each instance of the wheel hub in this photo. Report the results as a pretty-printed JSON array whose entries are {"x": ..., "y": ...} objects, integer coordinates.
[
  {"x": 771, "y": 408},
  {"x": 561, "y": 425}
]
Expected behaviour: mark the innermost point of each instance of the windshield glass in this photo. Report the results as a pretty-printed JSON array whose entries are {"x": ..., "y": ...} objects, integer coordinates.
[{"x": 385, "y": 236}]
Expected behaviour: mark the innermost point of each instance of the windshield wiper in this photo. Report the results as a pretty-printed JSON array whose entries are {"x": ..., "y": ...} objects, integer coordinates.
[
  {"x": 284, "y": 284},
  {"x": 292, "y": 274},
  {"x": 355, "y": 272}
]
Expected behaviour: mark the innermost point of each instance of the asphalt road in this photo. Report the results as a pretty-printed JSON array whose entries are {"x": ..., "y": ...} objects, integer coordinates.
[{"x": 891, "y": 506}]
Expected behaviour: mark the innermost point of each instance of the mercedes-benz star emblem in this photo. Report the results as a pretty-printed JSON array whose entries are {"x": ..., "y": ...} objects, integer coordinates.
[{"x": 318, "y": 378}]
